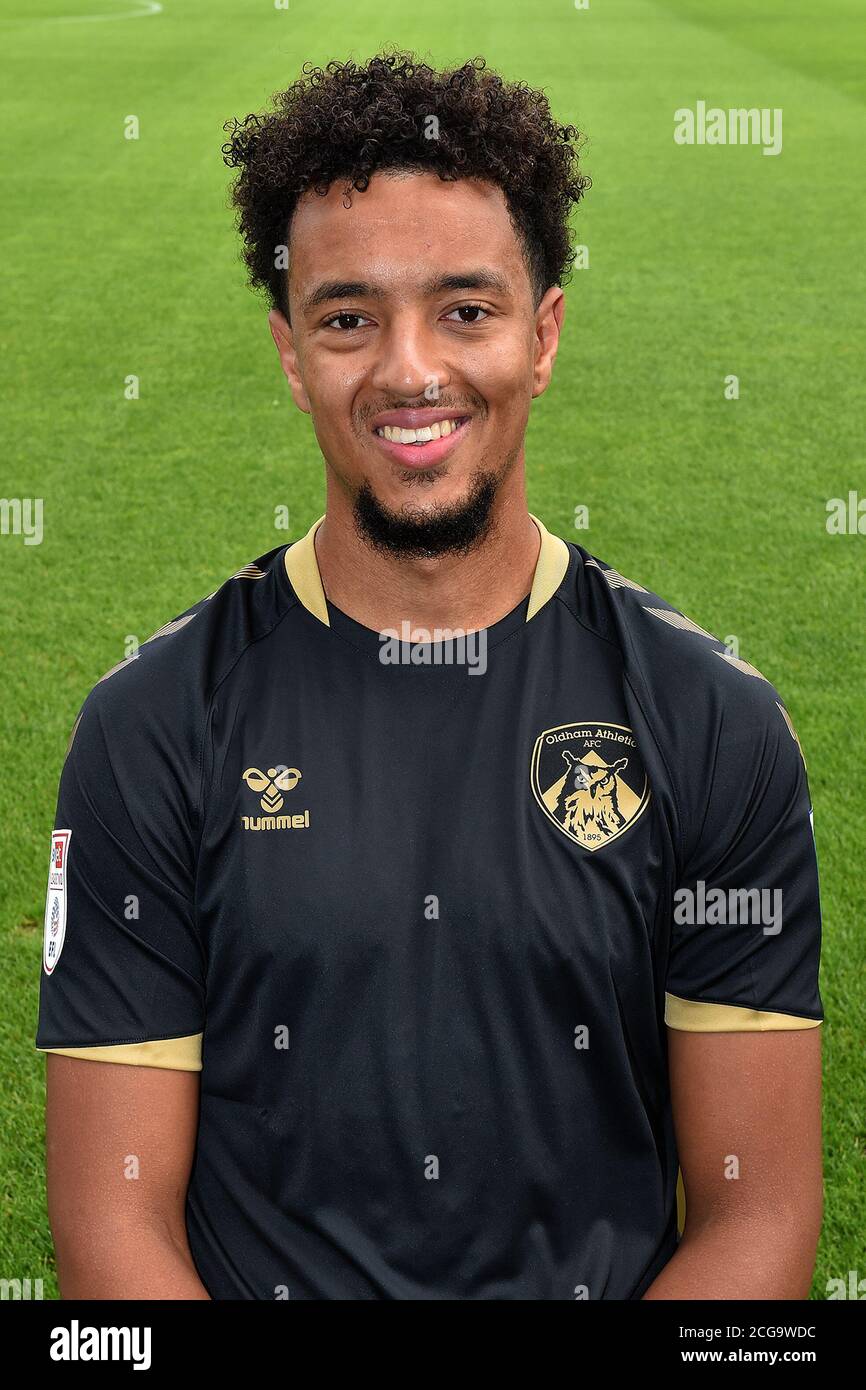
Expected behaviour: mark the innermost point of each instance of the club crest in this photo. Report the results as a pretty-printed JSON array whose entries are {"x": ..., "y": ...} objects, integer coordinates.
[{"x": 589, "y": 780}]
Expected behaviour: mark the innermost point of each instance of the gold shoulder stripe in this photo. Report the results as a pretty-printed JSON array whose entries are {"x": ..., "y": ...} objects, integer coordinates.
[
  {"x": 692, "y": 1016},
  {"x": 172, "y": 1054},
  {"x": 791, "y": 730},
  {"x": 74, "y": 732},
  {"x": 249, "y": 572},
  {"x": 615, "y": 579},
  {"x": 743, "y": 666},
  {"x": 679, "y": 620},
  {"x": 303, "y": 571},
  {"x": 787, "y": 718},
  {"x": 550, "y": 569},
  {"x": 117, "y": 667},
  {"x": 174, "y": 626}
]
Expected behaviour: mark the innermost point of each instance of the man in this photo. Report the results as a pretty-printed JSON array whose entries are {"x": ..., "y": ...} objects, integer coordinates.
[{"x": 429, "y": 894}]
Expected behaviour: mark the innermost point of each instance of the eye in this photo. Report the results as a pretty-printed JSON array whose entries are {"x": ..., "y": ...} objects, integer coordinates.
[
  {"x": 346, "y": 321},
  {"x": 472, "y": 310}
]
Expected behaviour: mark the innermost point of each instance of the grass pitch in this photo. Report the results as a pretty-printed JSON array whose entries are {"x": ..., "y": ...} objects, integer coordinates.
[{"x": 704, "y": 262}]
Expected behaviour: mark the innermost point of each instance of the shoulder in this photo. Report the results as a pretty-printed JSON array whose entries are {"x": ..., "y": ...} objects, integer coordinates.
[
  {"x": 164, "y": 688},
  {"x": 720, "y": 727},
  {"x": 682, "y": 670}
]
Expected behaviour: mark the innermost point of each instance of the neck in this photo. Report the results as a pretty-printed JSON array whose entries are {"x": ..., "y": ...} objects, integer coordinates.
[{"x": 466, "y": 592}]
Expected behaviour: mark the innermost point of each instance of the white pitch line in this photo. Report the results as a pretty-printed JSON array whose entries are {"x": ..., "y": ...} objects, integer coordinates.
[{"x": 148, "y": 7}]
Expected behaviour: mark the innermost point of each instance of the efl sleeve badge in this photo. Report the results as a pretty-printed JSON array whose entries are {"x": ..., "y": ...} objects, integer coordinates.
[{"x": 55, "y": 903}]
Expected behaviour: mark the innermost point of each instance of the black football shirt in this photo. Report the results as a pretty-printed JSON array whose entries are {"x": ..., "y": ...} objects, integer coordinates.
[{"x": 421, "y": 916}]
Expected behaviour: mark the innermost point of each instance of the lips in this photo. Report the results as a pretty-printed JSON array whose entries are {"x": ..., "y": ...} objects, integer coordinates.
[
  {"x": 420, "y": 417},
  {"x": 419, "y": 438}
]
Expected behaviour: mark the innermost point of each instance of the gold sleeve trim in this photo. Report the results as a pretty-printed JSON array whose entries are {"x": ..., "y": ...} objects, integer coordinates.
[
  {"x": 549, "y": 570},
  {"x": 172, "y": 1054},
  {"x": 303, "y": 571},
  {"x": 692, "y": 1016}
]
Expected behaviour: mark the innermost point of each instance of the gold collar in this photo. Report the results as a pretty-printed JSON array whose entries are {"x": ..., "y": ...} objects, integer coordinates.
[{"x": 303, "y": 571}]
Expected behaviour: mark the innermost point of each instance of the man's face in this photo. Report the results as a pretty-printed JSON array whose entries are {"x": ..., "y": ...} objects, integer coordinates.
[{"x": 412, "y": 311}]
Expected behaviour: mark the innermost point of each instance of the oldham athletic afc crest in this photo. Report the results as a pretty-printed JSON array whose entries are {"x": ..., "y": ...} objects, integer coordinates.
[{"x": 589, "y": 780}]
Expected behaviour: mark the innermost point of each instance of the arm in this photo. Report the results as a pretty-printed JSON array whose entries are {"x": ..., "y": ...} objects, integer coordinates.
[
  {"x": 756, "y": 1096},
  {"x": 118, "y": 1236}
]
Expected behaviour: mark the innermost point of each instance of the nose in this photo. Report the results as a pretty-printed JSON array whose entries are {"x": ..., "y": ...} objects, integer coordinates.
[{"x": 408, "y": 362}]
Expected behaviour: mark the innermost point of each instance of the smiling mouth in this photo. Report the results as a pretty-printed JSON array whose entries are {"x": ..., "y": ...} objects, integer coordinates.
[{"x": 440, "y": 429}]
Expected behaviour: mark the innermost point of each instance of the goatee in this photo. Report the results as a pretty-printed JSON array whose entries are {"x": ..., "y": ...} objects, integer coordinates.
[{"x": 415, "y": 533}]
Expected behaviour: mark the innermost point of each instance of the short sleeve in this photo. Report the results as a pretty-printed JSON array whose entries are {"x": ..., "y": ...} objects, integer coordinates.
[
  {"x": 746, "y": 931},
  {"x": 123, "y": 969}
]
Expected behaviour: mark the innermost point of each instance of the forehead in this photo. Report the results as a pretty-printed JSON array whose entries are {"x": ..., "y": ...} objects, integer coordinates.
[{"x": 400, "y": 230}]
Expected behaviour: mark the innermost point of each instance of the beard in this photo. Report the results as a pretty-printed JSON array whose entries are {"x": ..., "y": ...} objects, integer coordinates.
[{"x": 416, "y": 534}]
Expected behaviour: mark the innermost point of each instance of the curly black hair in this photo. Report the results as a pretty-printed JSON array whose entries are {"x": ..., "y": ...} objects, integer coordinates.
[{"x": 346, "y": 121}]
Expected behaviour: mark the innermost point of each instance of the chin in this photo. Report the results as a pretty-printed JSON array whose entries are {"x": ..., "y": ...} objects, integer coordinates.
[{"x": 429, "y": 522}]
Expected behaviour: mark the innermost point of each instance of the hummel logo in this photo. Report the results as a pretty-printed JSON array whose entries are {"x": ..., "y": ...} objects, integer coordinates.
[{"x": 272, "y": 784}]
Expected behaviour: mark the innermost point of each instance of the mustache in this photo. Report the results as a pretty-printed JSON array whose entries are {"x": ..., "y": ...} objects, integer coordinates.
[{"x": 441, "y": 402}]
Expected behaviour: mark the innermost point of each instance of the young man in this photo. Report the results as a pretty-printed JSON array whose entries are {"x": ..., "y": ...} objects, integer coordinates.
[{"x": 425, "y": 897}]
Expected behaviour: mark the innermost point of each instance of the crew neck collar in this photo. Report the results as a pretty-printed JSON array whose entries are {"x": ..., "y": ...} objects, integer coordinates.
[{"x": 302, "y": 569}]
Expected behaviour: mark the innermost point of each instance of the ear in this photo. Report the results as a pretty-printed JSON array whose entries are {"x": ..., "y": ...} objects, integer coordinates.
[
  {"x": 569, "y": 757},
  {"x": 549, "y": 318},
  {"x": 285, "y": 344}
]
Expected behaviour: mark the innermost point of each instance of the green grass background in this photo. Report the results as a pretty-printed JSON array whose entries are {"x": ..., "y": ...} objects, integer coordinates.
[{"x": 120, "y": 257}]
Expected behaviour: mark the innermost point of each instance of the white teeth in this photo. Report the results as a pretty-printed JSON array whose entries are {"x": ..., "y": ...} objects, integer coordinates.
[{"x": 440, "y": 430}]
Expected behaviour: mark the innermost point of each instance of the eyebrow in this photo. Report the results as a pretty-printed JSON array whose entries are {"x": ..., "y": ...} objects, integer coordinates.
[{"x": 482, "y": 278}]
